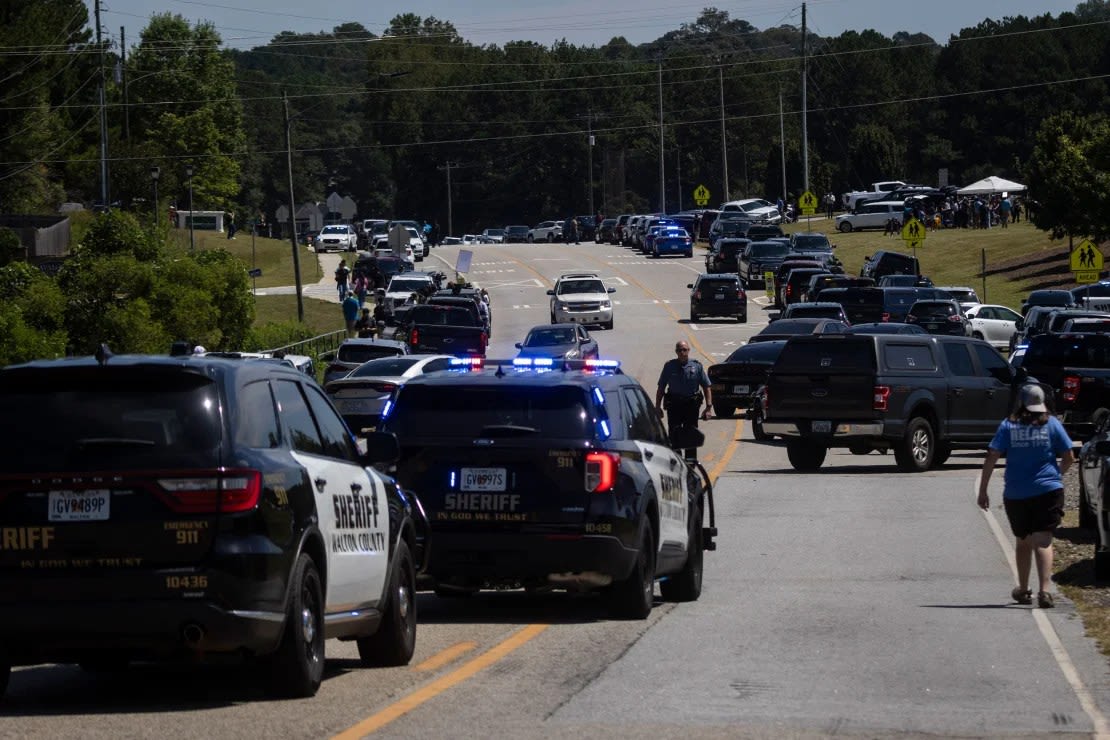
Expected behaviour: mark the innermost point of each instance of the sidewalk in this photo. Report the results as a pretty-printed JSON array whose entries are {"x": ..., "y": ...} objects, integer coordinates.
[{"x": 322, "y": 290}]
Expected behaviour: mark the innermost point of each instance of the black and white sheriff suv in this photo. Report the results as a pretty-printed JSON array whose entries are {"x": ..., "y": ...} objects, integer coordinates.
[
  {"x": 157, "y": 508},
  {"x": 541, "y": 473}
]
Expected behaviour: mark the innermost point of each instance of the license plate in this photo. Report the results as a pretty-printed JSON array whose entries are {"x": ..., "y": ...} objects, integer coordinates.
[
  {"x": 821, "y": 427},
  {"x": 78, "y": 506},
  {"x": 483, "y": 479},
  {"x": 353, "y": 405},
  {"x": 719, "y": 297},
  {"x": 933, "y": 326},
  {"x": 740, "y": 389}
]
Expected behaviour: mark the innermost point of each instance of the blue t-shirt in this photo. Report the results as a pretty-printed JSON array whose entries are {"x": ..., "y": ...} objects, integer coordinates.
[{"x": 1031, "y": 451}]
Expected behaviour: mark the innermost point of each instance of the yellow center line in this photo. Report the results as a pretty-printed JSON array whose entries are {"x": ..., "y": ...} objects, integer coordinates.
[
  {"x": 726, "y": 456},
  {"x": 444, "y": 657},
  {"x": 406, "y": 704}
]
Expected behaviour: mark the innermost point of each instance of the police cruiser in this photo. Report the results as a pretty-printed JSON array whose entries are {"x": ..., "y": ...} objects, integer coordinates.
[
  {"x": 178, "y": 507},
  {"x": 541, "y": 473}
]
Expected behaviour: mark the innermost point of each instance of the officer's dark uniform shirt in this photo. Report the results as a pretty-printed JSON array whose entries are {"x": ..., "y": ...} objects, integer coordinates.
[{"x": 683, "y": 378}]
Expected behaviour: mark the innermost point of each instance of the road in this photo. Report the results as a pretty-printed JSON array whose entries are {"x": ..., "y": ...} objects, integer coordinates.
[{"x": 855, "y": 601}]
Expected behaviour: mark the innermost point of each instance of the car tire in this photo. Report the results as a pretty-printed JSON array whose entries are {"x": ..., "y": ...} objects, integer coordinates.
[
  {"x": 1102, "y": 564},
  {"x": 395, "y": 641},
  {"x": 296, "y": 669},
  {"x": 805, "y": 456},
  {"x": 723, "y": 410},
  {"x": 844, "y": 227},
  {"x": 742, "y": 317},
  {"x": 1087, "y": 518},
  {"x": 689, "y": 255},
  {"x": 941, "y": 454},
  {"x": 608, "y": 325},
  {"x": 686, "y": 584},
  {"x": 550, "y": 237},
  {"x": 693, "y": 315},
  {"x": 914, "y": 452},
  {"x": 757, "y": 427},
  {"x": 977, "y": 335},
  {"x": 634, "y": 597}
]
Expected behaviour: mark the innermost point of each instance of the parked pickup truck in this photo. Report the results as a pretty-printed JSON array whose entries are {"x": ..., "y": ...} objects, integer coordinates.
[
  {"x": 449, "y": 330},
  {"x": 920, "y": 396},
  {"x": 1077, "y": 368},
  {"x": 850, "y": 199}
]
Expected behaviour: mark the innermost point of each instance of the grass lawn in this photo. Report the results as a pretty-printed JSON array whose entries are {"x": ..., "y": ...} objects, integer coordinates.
[
  {"x": 953, "y": 257},
  {"x": 320, "y": 316},
  {"x": 273, "y": 256}
]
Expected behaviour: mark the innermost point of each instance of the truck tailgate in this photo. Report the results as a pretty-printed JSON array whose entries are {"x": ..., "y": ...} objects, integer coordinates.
[{"x": 823, "y": 377}]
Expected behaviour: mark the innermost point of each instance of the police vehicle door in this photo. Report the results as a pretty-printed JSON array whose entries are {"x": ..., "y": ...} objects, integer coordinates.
[
  {"x": 350, "y": 502},
  {"x": 664, "y": 465}
]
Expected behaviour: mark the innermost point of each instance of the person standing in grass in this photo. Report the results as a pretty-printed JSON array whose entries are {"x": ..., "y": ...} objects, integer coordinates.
[{"x": 1033, "y": 495}]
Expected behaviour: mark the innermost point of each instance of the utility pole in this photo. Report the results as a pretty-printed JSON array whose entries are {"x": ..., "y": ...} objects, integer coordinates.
[
  {"x": 450, "y": 216},
  {"x": 782, "y": 142},
  {"x": 292, "y": 205},
  {"x": 103, "y": 112},
  {"x": 805, "y": 116},
  {"x": 678, "y": 172},
  {"x": 662, "y": 171},
  {"x": 123, "y": 79},
  {"x": 590, "y": 157},
  {"x": 724, "y": 141}
]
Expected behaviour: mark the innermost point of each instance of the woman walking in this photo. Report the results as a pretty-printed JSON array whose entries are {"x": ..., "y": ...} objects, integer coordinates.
[{"x": 1033, "y": 494}]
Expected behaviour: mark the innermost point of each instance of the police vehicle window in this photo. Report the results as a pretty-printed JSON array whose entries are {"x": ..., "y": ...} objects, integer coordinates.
[
  {"x": 959, "y": 359},
  {"x": 297, "y": 418},
  {"x": 257, "y": 425},
  {"x": 990, "y": 361},
  {"x": 638, "y": 423},
  {"x": 333, "y": 432},
  {"x": 363, "y": 352},
  {"x": 500, "y": 410},
  {"x": 435, "y": 365},
  {"x": 659, "y": 435},
  {"x": 909, "y": 357}
]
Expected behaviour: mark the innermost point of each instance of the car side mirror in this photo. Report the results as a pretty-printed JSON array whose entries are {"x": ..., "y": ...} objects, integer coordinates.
[
  {"x": 519, "y": 345},
  {"x": 867, "y": 258},
  {"x": 551, "y": 292},
  {"x": 1019, "y": 324},
  {"x": 381, "y": 448},
  {"x": 689, "y": 285},
  {"x": 611, "y": 290}
]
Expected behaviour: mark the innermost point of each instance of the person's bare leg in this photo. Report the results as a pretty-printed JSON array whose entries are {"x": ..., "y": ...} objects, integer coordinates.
[
  {"x": 1042, "y": 550},
  {"x": 1023, "y": 555}
]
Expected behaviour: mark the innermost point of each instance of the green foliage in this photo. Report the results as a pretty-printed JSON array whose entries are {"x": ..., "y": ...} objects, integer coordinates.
[
  {"x": 11, "y": 248},
  {"x": 1069, "y": 175},
  {"x": 276, "y": 334},
  {"x": 31, "y": 315},
  {"x": 117, "y": 232}
]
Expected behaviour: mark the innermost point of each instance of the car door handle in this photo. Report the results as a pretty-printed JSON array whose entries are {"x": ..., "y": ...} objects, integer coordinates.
[
  {"x": 957, "y": 391},
  {"x": 321, "y": 483},
  {"x": 990, "y": 393}
]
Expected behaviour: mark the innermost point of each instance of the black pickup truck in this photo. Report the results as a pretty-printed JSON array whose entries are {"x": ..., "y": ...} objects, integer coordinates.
[
  {"x": 920, "y": 396},
  {"x": 449, "y": 330},
  {"x": 1077, "y": 369}
]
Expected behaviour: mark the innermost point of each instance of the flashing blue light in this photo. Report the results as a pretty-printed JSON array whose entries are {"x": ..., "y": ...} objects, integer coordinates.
[
  {"x": 603, "y": 364},
  {"x": 467, "y": 363},
  {"x": 451, "y": 479},
  {"x": 387, "y": 408},
  {"x": 598, "y": 395},
  {"x": 544, "y": 362},
  {"x": 603, "y": 429}
]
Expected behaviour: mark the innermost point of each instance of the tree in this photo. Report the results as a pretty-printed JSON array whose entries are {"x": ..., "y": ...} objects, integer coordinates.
[{"x": 1068, "y": 175}]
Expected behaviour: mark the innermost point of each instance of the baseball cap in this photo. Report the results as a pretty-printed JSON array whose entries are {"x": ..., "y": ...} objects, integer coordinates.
[{"x": 1032, "y": 399}]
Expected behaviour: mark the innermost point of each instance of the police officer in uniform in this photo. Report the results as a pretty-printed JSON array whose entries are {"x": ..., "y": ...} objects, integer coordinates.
[{"x": 683, "y": 383}]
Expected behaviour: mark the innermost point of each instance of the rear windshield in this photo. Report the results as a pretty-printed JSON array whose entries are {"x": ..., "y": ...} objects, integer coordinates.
[
  {"x": 407, "y": 285},
  {"x": 730, "y": 248},
  {"x": 495, "y": 411},
  {"x": 362, "y": 352},
  {"x": 839, "y": 355},
  {"x": 815, "y": 312},
  {"x": 387, "y": 366},
  {"x": 1055, "y": 350},
  {"x": 1051, "y": 298},
  {"x": 803, "y": 275},
  {"x": 934, "y": 309},
  {"x": 895, "y": 299},
  {"x": 769, "y": 249},
  {"x": 804, "y": 242},
  {"x": 103, "y": 419},
  {"x": 433, "y": 315},
  {"x": 760, "y": 352},
  {"x": 717, "y": 284}
]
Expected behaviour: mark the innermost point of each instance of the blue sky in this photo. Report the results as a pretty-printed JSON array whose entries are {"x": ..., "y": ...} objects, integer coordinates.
[{"x": 247, "y": 23}]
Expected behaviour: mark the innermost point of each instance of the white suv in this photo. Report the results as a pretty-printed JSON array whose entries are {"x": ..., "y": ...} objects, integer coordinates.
[
  {"x": 873, "y": 215},
  {"x": 581, "y": 298},
  {"x": 337, "y": 237},
  {"x": 756, "y": 208},
  {"x": 546, "y": 231}
]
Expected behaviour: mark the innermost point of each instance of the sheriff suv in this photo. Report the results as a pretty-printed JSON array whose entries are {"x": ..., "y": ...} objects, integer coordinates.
[
  {"x": 581, "y": 298},
  {"x": 192, "y": 507},
  {"x": 542, "y": 473}
]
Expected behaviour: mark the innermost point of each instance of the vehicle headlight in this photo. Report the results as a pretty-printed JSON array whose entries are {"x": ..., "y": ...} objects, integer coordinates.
[
  {"x": 562, "y": 306},
  {"x": 606, "y": 304},
  {"x": 572, "y": 354}
]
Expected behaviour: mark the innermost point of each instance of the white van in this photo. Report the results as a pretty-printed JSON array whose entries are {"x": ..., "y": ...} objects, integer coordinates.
[{"x": 874, "y": 215}]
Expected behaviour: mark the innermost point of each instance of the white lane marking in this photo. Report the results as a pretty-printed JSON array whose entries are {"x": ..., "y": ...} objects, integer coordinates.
[
  {"x": 1101, "y": 727},
  {"x": 521, "y": 305},
  {"x": 548, "y": 259},
  {"x": 617, "y": 280},
  {"x": 526, "y": 283}
]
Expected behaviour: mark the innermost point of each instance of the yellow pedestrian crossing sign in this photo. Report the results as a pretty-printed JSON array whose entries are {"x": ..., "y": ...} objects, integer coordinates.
[
  {"x": 807, "y": 204},
  {"x": 1086, "y": 257},
  {"x": 913, "y": 233},
  {"x": 701, "y": 195}
]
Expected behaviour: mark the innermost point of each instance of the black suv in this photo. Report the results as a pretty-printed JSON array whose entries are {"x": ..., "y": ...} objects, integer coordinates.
[
  {"x": 889, "y": 263},
  {"x": 939, "y": 317},
  {"x": 195, "y": 506},
  {"x": 724, "y": 255},
  {"x": 760, "y": 258},
  {"x": 554, "y": 474},
  {"x": 718, "y": 295}
]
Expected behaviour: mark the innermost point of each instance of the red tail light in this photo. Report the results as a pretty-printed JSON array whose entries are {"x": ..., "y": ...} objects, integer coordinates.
[
  {"x": 483, "y": 340},
  {"x": 1070, "y": 389},
  {"x": 697, "y": 295},
  {"x": 881, "y": 398},
  {"x": 414, "y": 337},
  {"x": 601, "y": 471},
  {"x": 886, "y": 316},
  {"x": 383, "y": 387},
  {"x": 955, "y": 319},
  {"x": 739, "y": 294},
  {"x": 211, "y": 491},
  {"x": 789, "y": 289}
]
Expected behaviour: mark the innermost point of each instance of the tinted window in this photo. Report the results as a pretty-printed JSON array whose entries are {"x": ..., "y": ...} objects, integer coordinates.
[
  {"x": 934, "y": 309},
  {"x": 899, "y": 300},
  {"x": 852, "y": 355},
  {"x": 362, "y": 352},
  {"x": 959, "y": 359},
  {"x": 799, "y": 311},
  {"x": 1053, "y": 350},
  {"x": 761, "y": 352},
  {"x": 581, "y": 286},
  {"x": 639, "y": 416},
  {"x": 990, "y": 360},
  {"x": 715, "y": 284},
  {"x": 333, "y": 432},
  {"x": 490, "y": 411},
  {"x": 98, "y": 418},
  {"x": 257, "y": 424},
  {"x": 383, "y": 366},
  {"x": 909, "y": 357},
  {"x": 768, "y": 249},
  {"x": 296, "y": 418},
  {"x": 815, "y": 243}
]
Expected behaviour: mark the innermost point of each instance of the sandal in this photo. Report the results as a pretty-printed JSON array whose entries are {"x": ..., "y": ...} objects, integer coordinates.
[
  {"x": 1022, "y": 596},
  {"x": 1045, "y": 600}
]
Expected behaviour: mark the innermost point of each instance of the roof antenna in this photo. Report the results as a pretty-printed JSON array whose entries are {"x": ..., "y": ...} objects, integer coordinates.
[
  {"x": 103, "y": 354},
  {"x": 500, "y": 372}
]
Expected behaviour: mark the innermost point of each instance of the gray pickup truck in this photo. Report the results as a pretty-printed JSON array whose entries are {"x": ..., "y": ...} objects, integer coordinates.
[
  {"x": 920, "y": 396},
  {"x": 435, "y": 329}
]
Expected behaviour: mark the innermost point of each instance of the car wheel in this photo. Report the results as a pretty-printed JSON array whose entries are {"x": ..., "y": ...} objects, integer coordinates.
[
  {"x": 844, "y": 227},
  {"x": 723, "y": 410},
  {"x": 805, "y": 456},
  {"x": 608, "y": 325},
  {"x": 757, "y": 427},
  {"x": 686, "y": 584},
  {"x": 395, "y": 641},
  {"x": 1102, "y": 564},
  {"x": 550, "y": 237},
  {"x": 530, "y": 239},
  {"x": 693, "y": 315},
  {"x": 1087, "y": 518},
  {"x": 914, "y": 453},
  {"x": 742, "y": 317},
  {"x": 689, "y": 254},
  {"x": 297, "y": 667},
  {"x": 977, "y": 334},
  {"x": 634, "y": 597}
]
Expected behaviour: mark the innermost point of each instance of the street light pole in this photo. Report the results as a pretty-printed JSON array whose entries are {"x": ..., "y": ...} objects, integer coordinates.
[
  {"x": 154, "y": 174},
  {"x": 189, "y": 174},
  {"x": 662, "y": 171},
  {"x": 724, "y": 141}
]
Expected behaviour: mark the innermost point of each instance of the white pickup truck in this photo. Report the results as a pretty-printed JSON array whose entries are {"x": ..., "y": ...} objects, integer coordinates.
[{"x": 877, "y": 189}]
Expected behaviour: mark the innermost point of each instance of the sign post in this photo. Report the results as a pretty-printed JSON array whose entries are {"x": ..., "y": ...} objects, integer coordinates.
[
  {"x": 769, "y": 285},
  {"x": 913, "y": 234},
  {"x": 1086, "y": 262}
]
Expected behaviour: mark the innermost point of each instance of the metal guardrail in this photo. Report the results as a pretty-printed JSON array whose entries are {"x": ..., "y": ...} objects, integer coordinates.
[{"x": 314, "y": 346}]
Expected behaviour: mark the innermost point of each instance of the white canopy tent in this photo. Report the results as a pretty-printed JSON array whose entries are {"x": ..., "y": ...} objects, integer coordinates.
[{"x": 991, "y": 185}]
